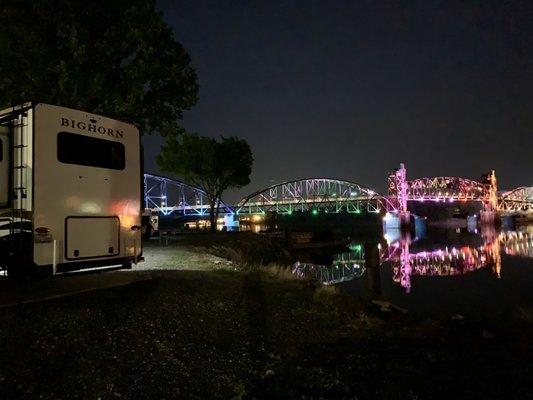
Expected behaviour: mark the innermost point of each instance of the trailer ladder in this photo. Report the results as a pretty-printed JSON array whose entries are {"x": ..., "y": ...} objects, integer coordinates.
[{"x": 19, "y": 207}]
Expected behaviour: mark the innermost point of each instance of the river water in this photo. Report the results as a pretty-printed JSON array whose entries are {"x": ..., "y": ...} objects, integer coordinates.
[{"x": 476, "y": 274}]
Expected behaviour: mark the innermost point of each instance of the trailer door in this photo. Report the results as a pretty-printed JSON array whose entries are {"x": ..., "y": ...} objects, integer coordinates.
[
  {"x": 4, "y": 166},
  {"x": 92, "y": 237}
]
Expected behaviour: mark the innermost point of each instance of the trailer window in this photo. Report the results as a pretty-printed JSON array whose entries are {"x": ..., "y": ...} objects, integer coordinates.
[
  {"x": 92, "y": 152},
  {"x": 1, "y": 150}
]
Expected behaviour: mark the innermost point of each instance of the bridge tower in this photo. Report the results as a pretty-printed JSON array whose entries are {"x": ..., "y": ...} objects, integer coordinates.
[
  {"x": 490, "y": 205},
  {"x": 398, "y": 189}
]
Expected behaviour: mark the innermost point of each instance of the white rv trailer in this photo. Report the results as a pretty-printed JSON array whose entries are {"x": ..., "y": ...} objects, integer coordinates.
[{"x": 70, "y": 190}]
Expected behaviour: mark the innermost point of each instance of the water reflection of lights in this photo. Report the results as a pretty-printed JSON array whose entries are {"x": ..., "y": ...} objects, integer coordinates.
[
  {"x": 458, "y": 261},
  {"x": 517, "y": 243},
  {"x": 446, "y": 261},
  {"x": 329, "y": 275},
  {"x": 345, "y": 267}
]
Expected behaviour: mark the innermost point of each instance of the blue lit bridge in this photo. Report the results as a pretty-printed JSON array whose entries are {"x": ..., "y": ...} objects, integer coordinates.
[{"x": 170, "y": 196}]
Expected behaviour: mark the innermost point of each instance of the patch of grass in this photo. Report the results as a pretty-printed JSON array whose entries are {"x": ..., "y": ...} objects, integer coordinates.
[
  {"x": 181, "y": 257},
  {"x": 244, "y": 249}
]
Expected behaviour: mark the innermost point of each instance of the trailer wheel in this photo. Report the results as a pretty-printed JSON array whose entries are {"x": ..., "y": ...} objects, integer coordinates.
[{"x": 126, "y": 265}]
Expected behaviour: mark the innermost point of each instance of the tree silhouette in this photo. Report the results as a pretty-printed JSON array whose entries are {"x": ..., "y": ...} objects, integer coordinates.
[
  {"x": 211, "y": 165},
  {"x": 117, "y": 58}
]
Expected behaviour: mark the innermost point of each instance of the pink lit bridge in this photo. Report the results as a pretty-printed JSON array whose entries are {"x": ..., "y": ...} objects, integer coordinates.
[{"x": 316, "y": 195}]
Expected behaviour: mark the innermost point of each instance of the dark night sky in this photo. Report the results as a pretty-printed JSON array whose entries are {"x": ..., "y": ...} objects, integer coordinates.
[{"x": 349, "y": 89}]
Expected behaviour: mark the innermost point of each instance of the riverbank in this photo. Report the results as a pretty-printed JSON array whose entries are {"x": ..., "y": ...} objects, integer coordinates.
[
  {"x": 237, "y": 334},
  {"x": 245, "y": 250}
]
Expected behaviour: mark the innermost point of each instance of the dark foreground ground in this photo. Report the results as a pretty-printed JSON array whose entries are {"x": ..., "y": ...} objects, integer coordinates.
[{"x": 229, "y": 334}]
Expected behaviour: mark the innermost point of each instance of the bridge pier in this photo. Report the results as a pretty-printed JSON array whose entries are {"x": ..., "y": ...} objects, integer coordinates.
[
  {"x": 405, "y": 218},
  {"x": 487, "y": 216},
  {"x": 397, "y": 220},
  {"x": 230, "y": 223},
  {"x": 508, "y": 222}
]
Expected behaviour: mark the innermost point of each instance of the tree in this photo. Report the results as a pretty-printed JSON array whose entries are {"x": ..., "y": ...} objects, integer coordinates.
[
  {"x": 208, "y": 164},
  {"x": 117, "y": 58}
]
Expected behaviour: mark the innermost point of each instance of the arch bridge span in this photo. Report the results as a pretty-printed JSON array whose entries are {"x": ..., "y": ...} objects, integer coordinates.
[{"x": 316, "y": 195}]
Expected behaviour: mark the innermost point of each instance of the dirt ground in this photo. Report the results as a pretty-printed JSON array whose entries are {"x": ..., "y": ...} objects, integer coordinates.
[{"x": 201, "y": 329}]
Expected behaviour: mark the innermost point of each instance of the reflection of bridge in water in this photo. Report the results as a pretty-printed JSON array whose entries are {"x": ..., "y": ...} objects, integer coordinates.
[
  {"x": 345, "y": 267},
  {"x": 442, "y": 262},
  {"x": 448, "y": 261},
  {"x": 456, "y": 261},
  {"x": 517, "y": 243}
]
